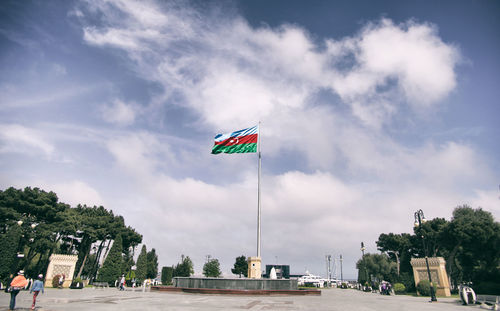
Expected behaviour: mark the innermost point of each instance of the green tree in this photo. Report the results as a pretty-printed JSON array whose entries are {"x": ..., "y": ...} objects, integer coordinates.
[
  {"x": 142, "y": 264},
  {"x": 130, "y": 240},
  {"x": 240, "y": 266},
  {"x": 379, "y": 266},
  {"x": 111, "y": 269},
  {"x": 398, "y": 247},
  {"x": 212, "y": 268},
  {"x": 8, "y": 250},
  {"x": 434, "y": 233},
  {"x": 184, "y": 268},
  {"x": 152, "y": 264},
  {"x": 42, "y": 229},
  {"x": 166, "y": 275},
  {"x": 470, "y": 244},
  {"x": 476, "y": 253},
  {"x": 49, "y": 226}
]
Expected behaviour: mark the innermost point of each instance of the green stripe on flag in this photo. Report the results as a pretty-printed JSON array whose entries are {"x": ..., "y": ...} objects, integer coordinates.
[{"x": 242, "y": 148}]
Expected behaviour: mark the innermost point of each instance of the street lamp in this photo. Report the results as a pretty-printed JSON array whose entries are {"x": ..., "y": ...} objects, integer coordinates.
[
  {"x": 364, "y": 263},
  {"x": 419, "y": 219},
  {"x": 341, "y": 274},
  {"x": 27, "y": 225}
]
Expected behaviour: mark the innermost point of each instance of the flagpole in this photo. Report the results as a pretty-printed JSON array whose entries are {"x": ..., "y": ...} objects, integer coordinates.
[{"x": 258, "y": 194}]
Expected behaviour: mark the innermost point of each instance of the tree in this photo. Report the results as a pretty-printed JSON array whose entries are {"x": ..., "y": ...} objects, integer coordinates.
[
  {"x": 184, "y": 268},
  {"x": 48, "y": 226},
  {"x": 240, "y": 266},
  {"x": 130, "y": 240},
  {"x": 212, "y": 268},
  {"x": 111, "y": 269},
  {"x": 152, "y": 264},
  {"x": 166, "y": 275},
  {"x": 142, "y": 264},
  {"x": 378, "y": 266},
  {"x": 476, "y": 254},
  {"x": 8, "y": 250},
  {"x": 433, "y": 231},
  {"x": 470, "y": 244}
]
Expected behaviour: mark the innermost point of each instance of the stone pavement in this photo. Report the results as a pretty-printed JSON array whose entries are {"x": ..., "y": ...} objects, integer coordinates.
[{"x": 330, "y": 299}]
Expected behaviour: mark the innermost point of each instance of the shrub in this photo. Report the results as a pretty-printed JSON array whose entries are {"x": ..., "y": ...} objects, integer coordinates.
[
  {"x": 408, "y": 281},
  {"x": 399, "y": 288},
  {"x": 423, "y": 288},
  {"x": 55, "y": 281},
  {"x": 77, "y": 283}
]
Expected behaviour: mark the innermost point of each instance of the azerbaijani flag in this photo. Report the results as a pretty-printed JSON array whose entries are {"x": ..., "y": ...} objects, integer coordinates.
[{"x": 242, "y": 141}]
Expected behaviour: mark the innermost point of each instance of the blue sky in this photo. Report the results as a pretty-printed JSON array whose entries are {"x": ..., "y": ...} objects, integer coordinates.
[{"x": 369, "y": 111}]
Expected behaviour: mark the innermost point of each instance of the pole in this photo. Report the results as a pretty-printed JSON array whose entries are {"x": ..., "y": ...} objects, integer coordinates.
[
  {"x": 341, "y": 273},
  {"x": 419, "y": 217},
  {"x": 364, "y": 264},
  {"x": 328, "y": 259},
  {"x": 258, "y": 192}
]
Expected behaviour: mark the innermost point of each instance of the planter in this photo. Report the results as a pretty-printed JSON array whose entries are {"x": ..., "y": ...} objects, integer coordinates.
[{"x": 77, "y": 285}]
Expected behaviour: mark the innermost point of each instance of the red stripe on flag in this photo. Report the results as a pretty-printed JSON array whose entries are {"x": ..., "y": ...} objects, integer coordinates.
[{"x": 248, "y": 139}]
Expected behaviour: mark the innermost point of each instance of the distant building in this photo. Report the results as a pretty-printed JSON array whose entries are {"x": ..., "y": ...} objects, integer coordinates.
[{"x": 282, "y": 271}]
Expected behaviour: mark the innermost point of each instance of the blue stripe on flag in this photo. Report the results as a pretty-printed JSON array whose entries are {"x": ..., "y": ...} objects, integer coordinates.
[{"x": 244, "y": 132}]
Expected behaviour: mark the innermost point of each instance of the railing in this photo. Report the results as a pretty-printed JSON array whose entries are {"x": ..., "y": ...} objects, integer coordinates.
[
  {"x": 492, "y": 300},
  {"x": 100, "y": 284}
]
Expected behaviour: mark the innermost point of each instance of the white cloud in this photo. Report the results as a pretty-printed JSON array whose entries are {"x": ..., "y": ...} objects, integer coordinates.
[
  {"x": 36, "y": 94},
  {"x": 77, "y": 192},
  {"x": 233, "y": 73},
  {"x": 487, "y": 199},
  {"x": 119, "y": 112},
  {"x": 20, "y": 139},
  {"x": 393, "y": 60}
]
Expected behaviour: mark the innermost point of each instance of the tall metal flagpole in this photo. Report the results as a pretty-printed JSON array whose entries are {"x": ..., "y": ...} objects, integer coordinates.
[{"x": 258, "y": 193}]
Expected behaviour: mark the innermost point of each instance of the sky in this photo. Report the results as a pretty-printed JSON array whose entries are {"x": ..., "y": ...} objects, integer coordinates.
[{"x": 369, "y": 112}]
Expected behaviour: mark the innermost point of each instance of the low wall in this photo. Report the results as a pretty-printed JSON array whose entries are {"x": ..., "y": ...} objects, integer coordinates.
[{"x": 240, "y": 284}]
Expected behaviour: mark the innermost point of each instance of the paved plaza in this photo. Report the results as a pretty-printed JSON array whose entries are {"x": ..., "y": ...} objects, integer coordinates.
[{"x": 331, "y": 299}]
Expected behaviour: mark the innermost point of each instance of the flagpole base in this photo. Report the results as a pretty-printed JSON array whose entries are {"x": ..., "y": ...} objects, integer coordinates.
[{"x": 254, "y": 268}]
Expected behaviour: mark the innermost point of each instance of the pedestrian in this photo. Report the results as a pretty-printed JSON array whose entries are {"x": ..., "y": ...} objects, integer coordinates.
[
  {"x": 61, "y": 281},
  {"x": 122, "y": 282},
  {"x": 18, "y": 283},
  {"x": 36, "y": 288}
]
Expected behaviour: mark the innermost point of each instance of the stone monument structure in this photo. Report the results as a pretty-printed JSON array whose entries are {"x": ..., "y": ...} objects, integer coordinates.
[
  {"x": 438, "y": 273},
  {"x": 62, "y": 265},
  {"x": 254, "y": 268}
]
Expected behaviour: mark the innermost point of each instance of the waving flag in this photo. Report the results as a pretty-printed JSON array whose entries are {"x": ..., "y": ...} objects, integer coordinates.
[{"x": 242, "y": 141}]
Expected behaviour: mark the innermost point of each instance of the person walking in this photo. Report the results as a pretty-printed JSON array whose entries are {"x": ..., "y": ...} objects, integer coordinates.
[
  {"x": 122, "y": 282},
  {"x": 18, "y": 283},
  {"x": 36, "y": 288}
]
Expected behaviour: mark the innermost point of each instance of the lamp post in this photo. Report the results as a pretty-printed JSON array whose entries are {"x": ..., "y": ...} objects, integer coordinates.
[
  {"x": 364, "y": 263},
  {"x": 419, "y": 219},
  {"x": 27, "y": 225},
  {"x": 341, "y": 273},
  {"x": 328, "y": 268}
]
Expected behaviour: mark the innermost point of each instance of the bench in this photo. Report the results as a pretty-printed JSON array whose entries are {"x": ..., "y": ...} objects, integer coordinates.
[
  {"x": 489, "y": 300},
  {"x": 100, "y": 284}
]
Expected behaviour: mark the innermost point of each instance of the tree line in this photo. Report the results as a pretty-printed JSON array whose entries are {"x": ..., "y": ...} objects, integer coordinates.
[
  {"x": 211, "y": 268},
  {"x": 469, "y": 242},
  {"x": 34, "y": 225}
]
